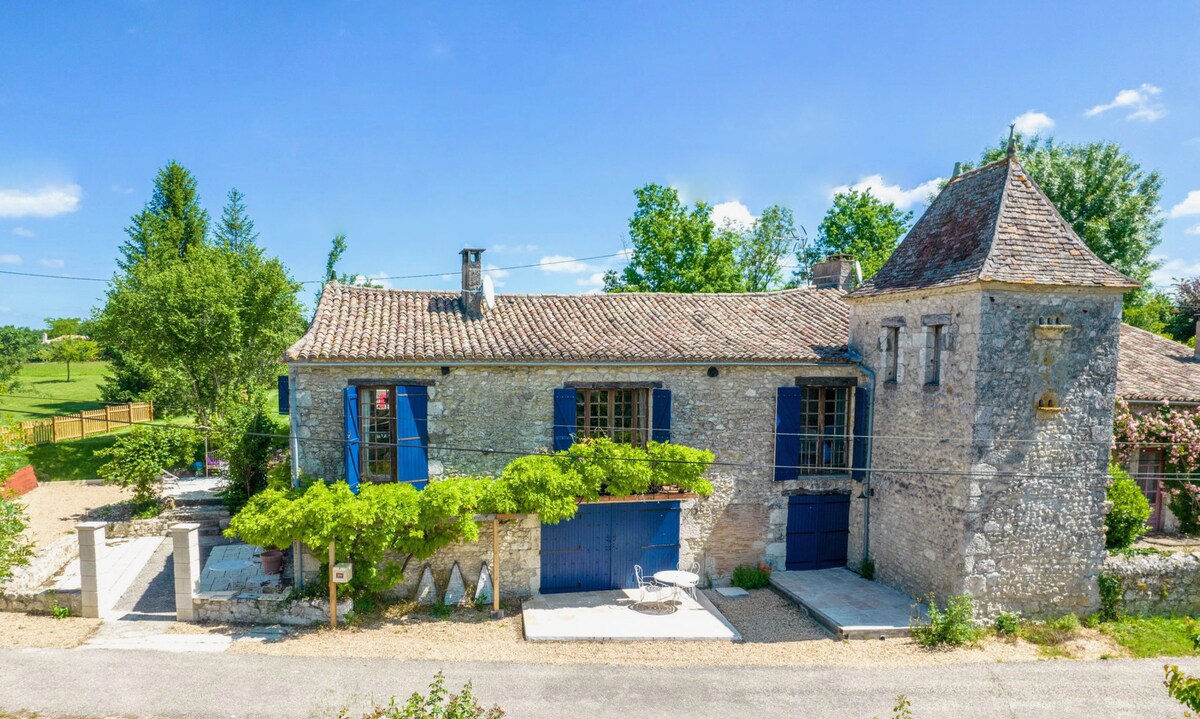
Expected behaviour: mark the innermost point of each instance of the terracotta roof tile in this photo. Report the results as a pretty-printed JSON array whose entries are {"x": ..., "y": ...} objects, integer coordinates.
[
  {"x": 364, "y": 324},
  {"x": 1153, "y": 368},
  {"x": 992, "y": 224}
]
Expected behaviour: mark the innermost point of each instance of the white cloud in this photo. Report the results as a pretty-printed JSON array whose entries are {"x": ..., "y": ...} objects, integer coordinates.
[
  {"x": 1189, "y": 206},
  {"x": 22, "y": 232},
  {"x": 1140, "y": 102},
  {"x": 497, "y": 274},
  {"x": 624, "y": 254},
  {"x": 731, "y": 213},
  {"x": 1172, "y": 269},
  {"x": 563, "y": 263},
  {"x": 10, "y": 259},
  {"x": 376, "y": 278},
  {"x": 1193, "y": 230},
  {"x": 894, "y": 194},
  {"x": 49, "y": 201},
  {"x": 1033, "y": 123},
  {"x": 53, "y": 264},
  {"x": 592, "y": 281}
]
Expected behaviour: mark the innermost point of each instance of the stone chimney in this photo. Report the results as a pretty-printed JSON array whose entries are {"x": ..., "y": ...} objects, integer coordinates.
[
  {"x": 836, "y": 271},
  {"x": 472, "y": 281}
]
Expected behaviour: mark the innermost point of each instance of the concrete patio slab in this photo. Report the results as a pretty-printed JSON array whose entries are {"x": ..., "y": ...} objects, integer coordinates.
[
  {"x": 848, "y": 605},
  {"x": 733, "y": 592},
  {"x": 609, "y": 615}
]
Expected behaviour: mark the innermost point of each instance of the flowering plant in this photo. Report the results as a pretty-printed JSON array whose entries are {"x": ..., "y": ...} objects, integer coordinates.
[{"x": 1176, "y": 431}]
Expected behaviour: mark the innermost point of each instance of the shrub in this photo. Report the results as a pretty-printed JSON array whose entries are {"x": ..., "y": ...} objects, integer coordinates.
[
  {"x": 250, "y": 438},
  {"x": 1051, "y": 633},
  {"x": 748, "y": 577},
  {"x": 867, "y": 569},
  {"x": 1008, "y": 623},
  {"x": 1126, "y": 519},
  {"x": 1111, "y": 597},
  {"x": 437, "y": 704},
  {"x": 1182, "y": 688},
  {"x": 953, "y": 626},
  {"x": 139, "y": 457},
  {"x": 15, "y": 548}
]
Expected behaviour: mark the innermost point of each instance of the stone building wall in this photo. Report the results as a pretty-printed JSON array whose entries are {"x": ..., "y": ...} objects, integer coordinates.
[
  {"x": 1010, "y": 508},
  {"x": 510, "y": 409}
]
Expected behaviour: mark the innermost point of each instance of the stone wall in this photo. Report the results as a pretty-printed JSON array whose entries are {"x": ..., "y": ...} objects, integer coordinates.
[
  {"x": 1158, "y": 584},
  {"x": 1012, "y": 504},
  {"x": 25, "y": 590},
  {"x": 510, "y": 409},
  {"x": 256, "y": 608},
  {"x": 520, "y": 561}
]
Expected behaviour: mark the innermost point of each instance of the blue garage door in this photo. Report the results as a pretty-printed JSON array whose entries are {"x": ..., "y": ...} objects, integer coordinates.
[
  {"x": 818, "y": 528},
  {"x": 598, "y": 548}
]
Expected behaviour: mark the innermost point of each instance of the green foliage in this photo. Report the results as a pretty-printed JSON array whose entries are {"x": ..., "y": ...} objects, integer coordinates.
[
  {"x": 675, "y": 248},
  {"x": 71, "y": 350},
  {"x": 1126, "y": 518},
  {"x": 1183, "y": 688},
  {"x": 17, "y": 345},
  {"x": 1154, "y": 313},
  {"x": 749, "y": 577},
  {"x": 952, "y": 626},
  {"x": 138, "y": 458},
  {"x": 1008, "y": 623},
  {"x": 1112, "y": 597},
  {"x": 867, "y": 568},
  {"x": 390, "y": 519},
  {"x": 762, "y": 247},
  {"x": 861, "y": 225},
  {"x": 1154, "y": 636},
  {"x": 15, "y": 547},
  {"x": 209, "y": 318},
  {"x": 1181, "y": 325},
  {"x": 437, "y": 704},
  {"x": 13, "y": 455},
  {"x": 1051, "y": 634},
  {"x": 250, "y": 437},
  {"x": 58, "y": 611}
]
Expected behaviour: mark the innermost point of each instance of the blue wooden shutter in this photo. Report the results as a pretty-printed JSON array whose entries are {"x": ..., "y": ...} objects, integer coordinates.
[
  {"x": 858, "y": 455},
  {"x": 564, "y": 417},
  {"x": 787, "y": 432},
  {"x": 412, "y": 435},
  {"x": 285, "y": 403},
  {"x": 660, "y": 421},
  {"x": 351, "y": 445}
]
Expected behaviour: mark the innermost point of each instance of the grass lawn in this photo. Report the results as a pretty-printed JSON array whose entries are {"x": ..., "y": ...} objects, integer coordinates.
[
  {"x": 45, "y": 390},
  {"x": 71, "y": 459},
  {"x": 1153, "y": 636}
]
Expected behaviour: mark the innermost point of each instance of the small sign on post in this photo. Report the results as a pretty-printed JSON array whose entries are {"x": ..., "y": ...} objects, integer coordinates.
[{"x": 343, "y": 572}]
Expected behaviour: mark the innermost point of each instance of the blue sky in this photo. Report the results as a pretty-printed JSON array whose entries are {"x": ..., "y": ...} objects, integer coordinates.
[{"x": 417, "y": 128}]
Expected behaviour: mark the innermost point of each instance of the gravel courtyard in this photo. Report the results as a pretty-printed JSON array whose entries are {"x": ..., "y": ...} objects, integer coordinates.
[{"x": 55, "y": 507}]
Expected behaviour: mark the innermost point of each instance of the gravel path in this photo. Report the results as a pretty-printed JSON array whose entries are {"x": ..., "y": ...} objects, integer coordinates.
[
  {"x": 55, "y": 507},
  {"x": 776, "y": 633}
]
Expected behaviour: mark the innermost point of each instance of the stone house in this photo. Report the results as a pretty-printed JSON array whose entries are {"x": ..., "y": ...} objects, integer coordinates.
[{"x": 951, "y": 418}]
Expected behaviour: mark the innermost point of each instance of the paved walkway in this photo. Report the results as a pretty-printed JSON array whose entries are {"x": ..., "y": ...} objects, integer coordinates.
[
  {"x": 585, "y": 616},
  {"x": 207, "y": 686},
  {"x": 848, "y": 605},
  {"x": 119, "y": 565},
  {"x": 234, "y": 568}
]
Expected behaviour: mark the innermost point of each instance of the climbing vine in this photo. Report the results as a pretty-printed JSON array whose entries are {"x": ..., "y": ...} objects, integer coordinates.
[
  {"x": 396, "y": 519},
  {"x": 1177, "y": 431}
]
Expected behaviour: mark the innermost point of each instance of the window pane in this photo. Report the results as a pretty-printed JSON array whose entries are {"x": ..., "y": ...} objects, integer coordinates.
[{"x": 616, "y": 413}]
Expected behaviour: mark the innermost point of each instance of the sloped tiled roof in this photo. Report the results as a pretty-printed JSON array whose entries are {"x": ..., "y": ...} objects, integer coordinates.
[
  {"x": 1153, "y": 368},
  {"x": 365, "y": 324},
  {"x": 992, "y": 224}
]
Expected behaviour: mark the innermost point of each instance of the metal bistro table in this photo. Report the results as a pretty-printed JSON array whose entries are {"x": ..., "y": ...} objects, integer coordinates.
[{"x": 678, "y": 579}]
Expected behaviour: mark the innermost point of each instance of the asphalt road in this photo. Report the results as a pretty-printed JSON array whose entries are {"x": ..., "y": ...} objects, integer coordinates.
[{"x": 158, "y": 684}]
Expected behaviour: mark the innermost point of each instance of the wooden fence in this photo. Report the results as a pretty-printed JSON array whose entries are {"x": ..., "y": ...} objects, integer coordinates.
[{"x": 77, "y": 426}]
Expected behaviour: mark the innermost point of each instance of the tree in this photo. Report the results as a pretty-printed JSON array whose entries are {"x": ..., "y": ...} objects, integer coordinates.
[
  {"x": 17, "y": 346},
  {"x": 761, "y": 249},
  {"x": 859, "y": 224},
  {"x": 210, "y": 317},
  {"x": 676, "y": 248},
  {"x": 63, "y": 326},
  {"x": 1181, "y": 324},
  {"x": 336, "y": 250},
  {"x": 1105, "y": 195},
  {"x": 170, "y": 225},
  {"x": 71, "y": 350}
]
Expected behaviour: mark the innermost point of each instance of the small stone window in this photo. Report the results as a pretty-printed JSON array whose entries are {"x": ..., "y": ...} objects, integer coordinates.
[
  {"x": 1050, "y": 326},
  {"x": 1048, "y": 403},
  {"x": 891, "y": 354},
  {"x": 934, "y": 339}
]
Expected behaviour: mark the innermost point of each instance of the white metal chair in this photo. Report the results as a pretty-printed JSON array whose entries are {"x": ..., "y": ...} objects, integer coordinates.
[
  {"x": 688, "y": 586},
  {"x": 649, "y": 590}
]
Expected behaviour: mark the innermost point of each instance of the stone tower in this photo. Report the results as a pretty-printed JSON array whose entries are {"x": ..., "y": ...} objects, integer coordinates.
[{"x": 992, "y": 332}]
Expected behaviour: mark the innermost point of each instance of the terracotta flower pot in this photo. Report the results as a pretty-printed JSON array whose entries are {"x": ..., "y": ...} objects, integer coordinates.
[{"x": 272, "y": 561}]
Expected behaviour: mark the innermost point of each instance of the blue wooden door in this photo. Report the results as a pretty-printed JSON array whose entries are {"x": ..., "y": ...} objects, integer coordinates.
[
  {"x": 412, "y": 435},
  {"x": 818, "y": 529},
  {"x": 597, "y": 549}
]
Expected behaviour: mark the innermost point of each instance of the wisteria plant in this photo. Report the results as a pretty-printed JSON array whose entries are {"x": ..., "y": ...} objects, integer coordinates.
[{"x": 1176, "y": 430}]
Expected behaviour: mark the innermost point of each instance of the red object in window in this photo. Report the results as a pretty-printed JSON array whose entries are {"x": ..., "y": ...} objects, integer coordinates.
[{"x": 381, "y": 400}]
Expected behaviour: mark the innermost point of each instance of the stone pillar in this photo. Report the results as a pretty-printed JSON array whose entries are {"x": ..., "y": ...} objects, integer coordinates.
[
  {"x": 91, "y": 549},
  {"x": 185, "y": 550}
]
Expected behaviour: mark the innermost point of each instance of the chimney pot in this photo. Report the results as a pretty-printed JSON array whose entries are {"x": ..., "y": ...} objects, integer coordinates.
[
  {"x": 835, "y": 271},
  {"x": 472, "y": 281}
]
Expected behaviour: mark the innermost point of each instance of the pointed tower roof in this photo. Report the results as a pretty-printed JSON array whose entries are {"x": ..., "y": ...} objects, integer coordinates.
[{"x": 993, "y": 224}]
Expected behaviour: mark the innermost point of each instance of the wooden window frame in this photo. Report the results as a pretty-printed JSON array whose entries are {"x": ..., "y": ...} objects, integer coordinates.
[
  {"x": 891, "y": 363},
  {"x": 639, "y": 405},
  {"x": 818, "y": 464},
  {"x": 936, "y": 334},
  {"x": 366, "y": 402}
]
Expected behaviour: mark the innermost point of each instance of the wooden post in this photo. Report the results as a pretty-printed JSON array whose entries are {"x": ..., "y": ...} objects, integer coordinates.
[
  {"x": 332, "y": 590},
  {"x": 496, "y": 611}
]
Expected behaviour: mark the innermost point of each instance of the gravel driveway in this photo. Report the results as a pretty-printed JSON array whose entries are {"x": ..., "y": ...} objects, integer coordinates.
[{"x": 55, "y": 507}]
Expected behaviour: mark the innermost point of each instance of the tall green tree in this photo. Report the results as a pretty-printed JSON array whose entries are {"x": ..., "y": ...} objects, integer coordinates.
[
  {"x": 170, "y": 225},
  {"x": 762, "y": 249},
  {"x": 214, "y": 316},
  {"x": 62, "y": 326},
  {"x": 71, "y": 350},
  {"x": 17, "y": 346},
  {"x": 859, "y": 224},
  {"x": 676, "y": 248},
  {"x": 1185, "y": 309}
]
